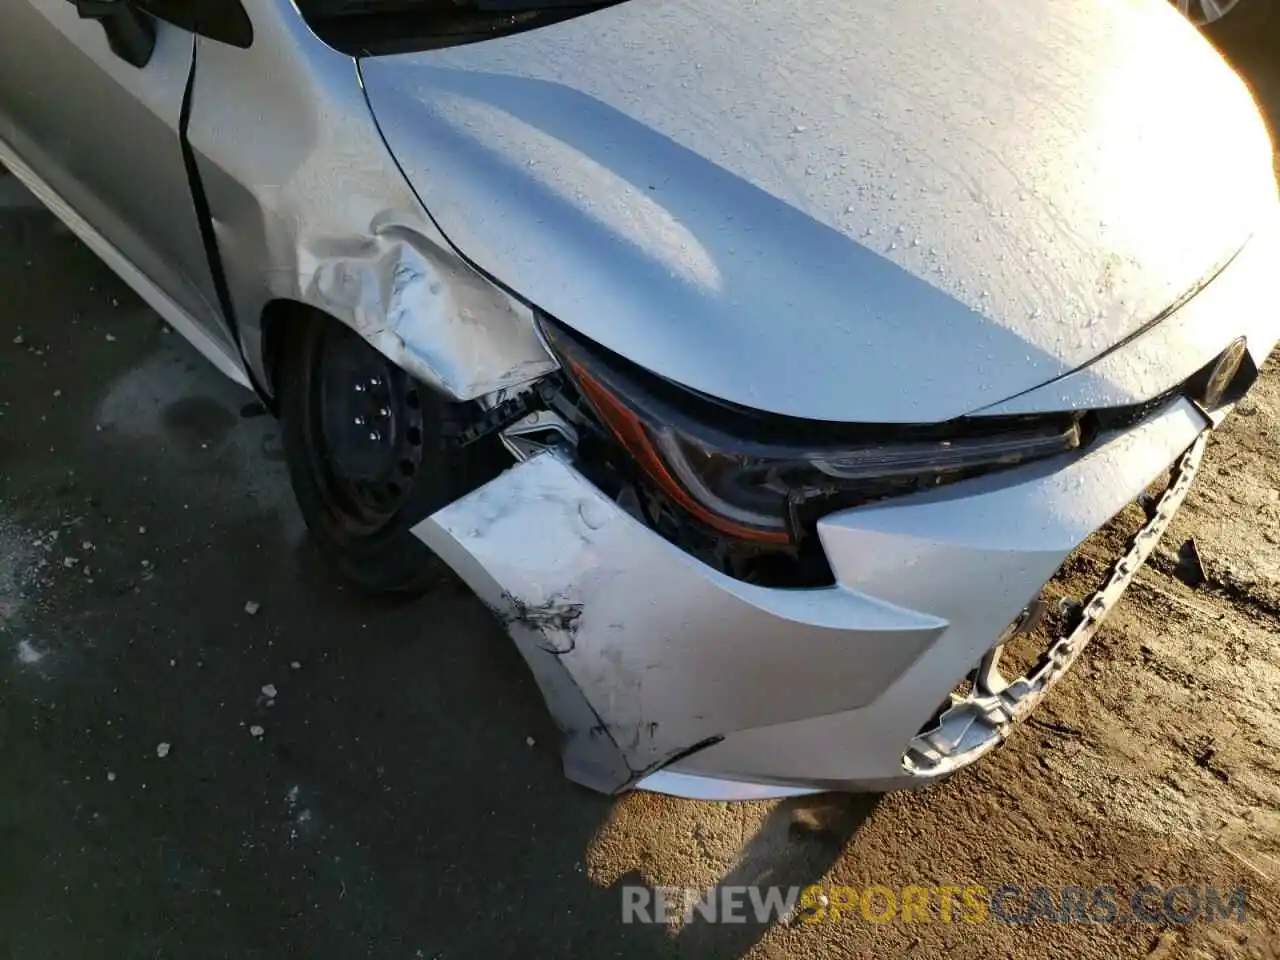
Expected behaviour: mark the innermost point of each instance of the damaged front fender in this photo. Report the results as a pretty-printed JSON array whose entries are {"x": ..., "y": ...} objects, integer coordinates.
[
  {"x": 311, "y": 208},
  {"x": 422, "y": 307}
]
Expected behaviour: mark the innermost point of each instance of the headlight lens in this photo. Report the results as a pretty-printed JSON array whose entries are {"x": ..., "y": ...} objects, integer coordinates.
[{"x": 765, "y": 489}]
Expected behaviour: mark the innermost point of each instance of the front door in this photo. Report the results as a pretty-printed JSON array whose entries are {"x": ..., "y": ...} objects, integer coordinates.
[{"x": 103, "y": 134}]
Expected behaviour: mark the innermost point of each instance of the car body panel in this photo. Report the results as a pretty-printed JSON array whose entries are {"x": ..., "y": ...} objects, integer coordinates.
[
  {"x": 310, "y": 208},
  {"x": 828, "y": 211},
  {"x": 1239, "y": 302},
  {"x": 666, "y": 651},
  {"x": 662, "y": 654},
  {"x": 839, "y": 211},
  {"x": 216, "y": 350},
  {"x": 103, "y": 137},
  {"x": 977, "y": 554},
  {"x": 306, "y": 204}
]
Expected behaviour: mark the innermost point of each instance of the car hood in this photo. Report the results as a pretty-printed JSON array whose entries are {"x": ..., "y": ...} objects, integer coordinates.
[{"x": 834, "y": 210}]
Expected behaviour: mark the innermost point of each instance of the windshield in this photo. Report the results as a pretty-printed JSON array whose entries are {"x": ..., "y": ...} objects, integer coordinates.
[
  {"x": 371, "y": 27},
  {"x": 445, "y": 8}
]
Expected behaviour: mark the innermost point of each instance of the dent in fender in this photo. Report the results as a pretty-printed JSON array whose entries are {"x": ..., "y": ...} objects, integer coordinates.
[
  {"x": 425, "y": 309},
  {"x": 311, "y": 208}
]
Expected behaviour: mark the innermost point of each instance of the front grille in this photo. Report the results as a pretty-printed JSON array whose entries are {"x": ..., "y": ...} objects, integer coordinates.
[{"x": 1123, "y": 418}]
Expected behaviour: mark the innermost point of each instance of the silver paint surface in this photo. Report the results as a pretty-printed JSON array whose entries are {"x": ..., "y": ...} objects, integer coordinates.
[
  {"x": 837, "y": 210},
  {"x": 309, "y": 207},
  {"x": 1241, "y": 301},
  {"x": 103, "y": 137},
  {"x": 661, "y": 648},
  {"x": 831, "y": 210},
  {"x": 661, "y": 653},
  {"x": 217, "y": 350}
]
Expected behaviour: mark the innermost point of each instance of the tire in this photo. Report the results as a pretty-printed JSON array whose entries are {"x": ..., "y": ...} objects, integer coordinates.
[
  {"x": 1249, "y": 23},
  {"x": 362, "y": 529}
]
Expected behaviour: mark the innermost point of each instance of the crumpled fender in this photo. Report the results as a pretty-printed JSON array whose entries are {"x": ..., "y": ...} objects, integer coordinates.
[
  {"x": 312, "y": 208},
  {"x": 422, "y": 307}
]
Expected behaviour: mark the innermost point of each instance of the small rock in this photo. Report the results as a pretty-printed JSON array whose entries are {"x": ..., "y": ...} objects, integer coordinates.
[
  {"x": 1163, "y": 947},
  {"x": 256, "y": 731},
  {"x": 111, "y": 777},
  {"x": 529, "y": 741},
  {"x": 70, "y": 562},
  {"x": 269, "y": 691},
  {"x": 162, "y": 750},
  {"x": 28, "y": 653},
  {"x": 111, "y": 338},
  {"x": 1190, "y": 566},
  {"x": 142, "y": 529},
  {"x": 19, "y": 340},
  {"x": 252, "y": 608},
  {"x": 57, "y": 393},
  {"x": 295, "y": 665}
]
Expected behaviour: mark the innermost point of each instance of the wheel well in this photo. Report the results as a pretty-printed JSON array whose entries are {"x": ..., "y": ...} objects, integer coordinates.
[{"x": 280, "y": 321}]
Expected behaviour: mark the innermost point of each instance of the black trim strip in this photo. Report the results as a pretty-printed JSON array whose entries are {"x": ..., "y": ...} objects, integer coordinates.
[
  {"x": 1164, "y": 314},
  {"x": 204, "y": 216}
]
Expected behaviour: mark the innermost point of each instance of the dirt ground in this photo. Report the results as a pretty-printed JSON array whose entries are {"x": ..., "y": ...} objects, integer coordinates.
[{"x": 210, "y": 749}]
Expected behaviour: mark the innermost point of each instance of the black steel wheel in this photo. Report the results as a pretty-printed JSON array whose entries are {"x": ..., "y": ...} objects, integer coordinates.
[{"x": 366, "y": 448}]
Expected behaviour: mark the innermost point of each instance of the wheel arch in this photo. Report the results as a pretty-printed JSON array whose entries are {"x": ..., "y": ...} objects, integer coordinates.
[
  {"x": 276, "y": 323},
  {"x": 308, "y": 211}
]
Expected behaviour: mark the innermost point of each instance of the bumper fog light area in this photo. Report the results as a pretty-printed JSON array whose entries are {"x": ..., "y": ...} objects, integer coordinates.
[{"x": 1038, "y": 649}]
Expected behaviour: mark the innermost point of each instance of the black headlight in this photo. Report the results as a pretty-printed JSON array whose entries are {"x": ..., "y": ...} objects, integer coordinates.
[{"x": 758, "y": 476}]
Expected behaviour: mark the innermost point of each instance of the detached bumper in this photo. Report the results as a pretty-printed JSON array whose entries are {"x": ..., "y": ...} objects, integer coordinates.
[{"x": 665, "y": 674}]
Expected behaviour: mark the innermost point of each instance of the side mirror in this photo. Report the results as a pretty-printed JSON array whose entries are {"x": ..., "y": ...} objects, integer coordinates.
[
  {"x": 222, "y": 20},
  {"x": 130, "y": 33}
]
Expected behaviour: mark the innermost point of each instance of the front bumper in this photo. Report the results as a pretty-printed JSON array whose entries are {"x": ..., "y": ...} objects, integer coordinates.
[{"x": 666, "y": 674}]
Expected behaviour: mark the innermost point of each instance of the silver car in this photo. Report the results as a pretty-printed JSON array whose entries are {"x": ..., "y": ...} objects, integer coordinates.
[{"x": 763, "y": 366}]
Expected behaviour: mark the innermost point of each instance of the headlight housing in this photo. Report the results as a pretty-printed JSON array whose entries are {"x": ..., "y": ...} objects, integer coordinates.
[{"x": 765, "y": 478}]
